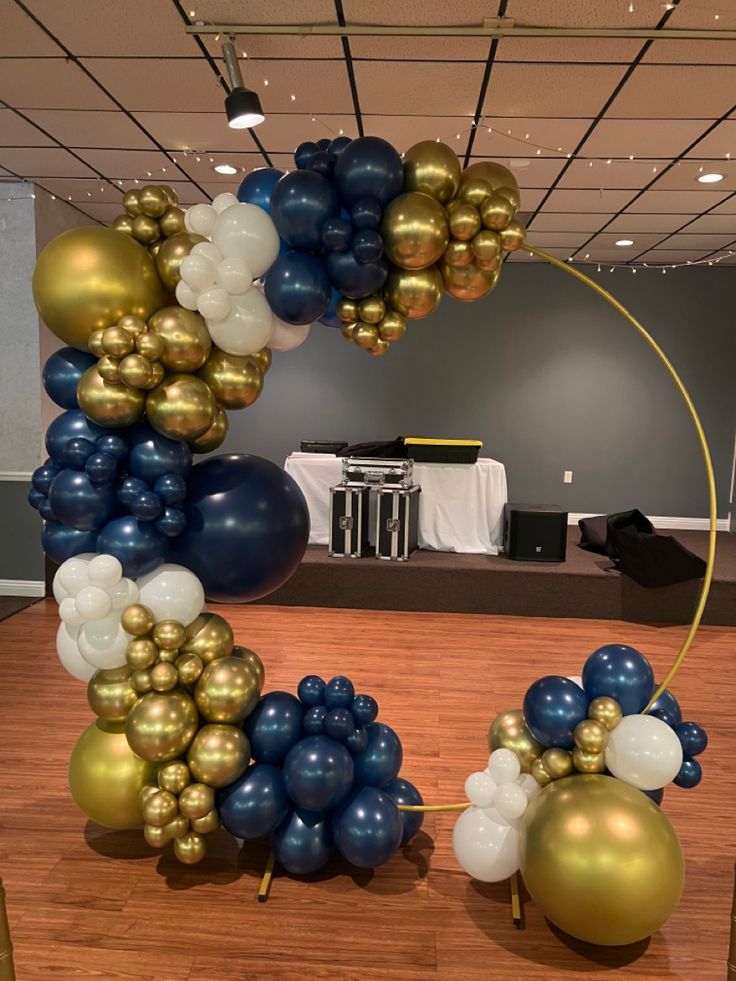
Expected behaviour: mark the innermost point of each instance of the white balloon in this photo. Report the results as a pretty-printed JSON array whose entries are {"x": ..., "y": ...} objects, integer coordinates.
[
  {"x": 104, "y": 571},
  {"x": 504, "y": 766},
  {"x": 200, "y": 218},
  {"x": 93, "y": 603},
  {"x": 102, "y": 642},
  {"x": 198, "y": 271},
  {"x": 286, "y": 337},
  {"x": 234, "y": 275},
  {"x": 248, "y": 326},
  {"x": 214, "y": 303},
  {"x": 487, "y": 850},
  {"x": 123, "y": 594},
  {"x": 172, "y": 592},
  {"x": 68, "y": 611},
  {"x": 510, "y": 801},
  {"x": 208, "y": 250},
  {"x": 480, "y": 789},
  {"x": 223, "y": 201},
  {"x": 68, "y": 651},
  {"x": 644, "y": 752},
  {"x": 186, "y": 296},
  {"x": 529, "y": 785},
  {"x": 72, "y": 574},
  {"x": 246, "y": 231}
]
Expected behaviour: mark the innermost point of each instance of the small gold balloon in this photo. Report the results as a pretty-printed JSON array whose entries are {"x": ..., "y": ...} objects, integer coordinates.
[
  {"x": 494, "y": 173},
  {"x": 153, "y": 200},
  {"x": 557, "y": 763},
  {"x": 509, "y": 731},
  {"x": 168, "y": 656},
  {"x": 132, "y": 324},
  {"x": 236, "y": 382},
  {"x": 392, "y": 327},
  {"x": 141, "y": 680},
  {"x": 512, "y": 236},
  {"x": 116, "y": 342},
  {"x": 189, "y": 667},
  {"x": 475, "y": 191},
  {"x": 196, "y": 801},
  {"x": 496, "y": 212},
  {"x": 372, "y": 309},
  {"x": 131, "y": 203},
  {"x": 154, "y": 248},
  {"x": 588, "y": 762},
  {"x": 486, "y": 245},
  {"x": 213, "y": 437},
  {"x": 251, "y": 658},
  {"x": 150, "y": 345},
  {"x": 174, "y": 776},
  {"x": 182, "y": 407},
  {"x": 347, "y": 310},
  {"x": 365, "y": 335},
  {"x": 161, "y": 725},
  {"x": 164, "y": 676},
  {"x": 146, "y": 791},
  {"x": 605, "y": 710},
  {"x": 379, "y": 348},
  {"x": 137, "y": 619},
  {"x": 468, "y": 282},
  {"x": 160, "y": 808},
  {"x": 146, "y": 230},
  {"x": 187, "y": 342},
  {"x": 227, "y": 690},
  {"x": 176, "y": 828},
  {"x": 110, "y": 693},
  {"x": 591, "y": 736},
  {"x": 347, "y": 330},
  {"x": 209, "y": 636},
  {"x": 463, "y": 220},
  {"x": 155, "y": 837},
  {"x": 432, "y": 168},
  {"x": 123, "y": 223},
  {"x": 171, "y": 195},
  {"x": 169, "y": 634},
  {"x": 264, "y": 358},
  {"x": 459, "y": 254},
  {"x": 141, "y": 653},
  {"x": 414, "y": 230},
  {"x": 414, "y": 293},
  {"x": 94, "y": 343},
  {"x": 218, "y": 755},
  {"x": 190, "y": 848},
  {"x": 490, "y": 265},
  {"x": 109, "y": 368},
  {"x": 539, "y": 773},
  {"x": 170, "y": 256},
  {"x": 171, "y": 221},
  {"x": 512, "y": 196},
  {"x": 109, "y": 404},
  {"x": 204, "y": 825},
  {"x": 135, "y": 371}
]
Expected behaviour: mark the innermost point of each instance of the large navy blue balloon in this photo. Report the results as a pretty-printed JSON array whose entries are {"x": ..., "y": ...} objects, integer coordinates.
[
  {"x": 622, "y": 673},
  {"x": 301, "y": 203},
  {"x": 367, "y": 827},
  {"x": 257, "y": 186},
  {"x": 79, "y": 503},
  {"x": 330, "y": 318},
  {"x": 381, "y": 760},
  {"x": 369, "y": 167},
  {"x": 274, "y": 727},
  {"x": 247, "y": 527},
  {"x": 402, "y": 792},
  {"x": 352, "y": 278},
  {"x": 60, "y": 542},
  {"x": 318, "y": 773},
  {"x": 553, "y": 706},
  {"x": 61, "y": 375},
  {"x": 255, "y": 804},
  {"x": 138, "y": 546},
  {"x": 666, "y": 708},
  {"x": 297, "y": 288},
  {"x": 693, "y": 738},
  {"x": 153, "y": 455},
  {"x": 303, "y": 842},
  {"x": 67, "y": 426}
]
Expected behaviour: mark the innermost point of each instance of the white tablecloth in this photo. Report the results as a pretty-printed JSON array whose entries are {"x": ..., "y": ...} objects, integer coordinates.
[{"x": 460, "y": 507}]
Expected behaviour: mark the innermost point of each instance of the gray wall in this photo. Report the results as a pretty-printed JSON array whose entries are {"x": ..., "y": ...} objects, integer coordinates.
[{"x": 547, "y": 375}]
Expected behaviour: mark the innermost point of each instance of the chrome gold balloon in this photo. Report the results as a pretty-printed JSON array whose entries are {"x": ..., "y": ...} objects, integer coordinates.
[
  {"x": 256, "y": 664},
  {"x": 347, "y": 330},
  {"x": 106, "y": 777},
  {"x": 131, "y": 203},
  {"x": 109, "y": 404},
  {"x": 182, "y": 407},
  {"x": 117, "y": 342},
  {"x": 138, "y": 620},
  {"x": 171, "y": 221},
  {"x": 557, "y": 763},
  {"x": 171, "y": 194},
  {"x": 494, "y": 173},
  {"x": 110, "y": 693},
  {"x": 153, "y": 200},
  {"x": 176, "y": 828},
  {"x": 392, "y": 327},
  {"x": 155, "y": 837},
  {"x": 141, "y": 680},
  {"x": 204, "y": 825},
  {"x": 509, "y": 731},
  {"x": 135, "y": 371},
  {"x": 588, "y": 762},
  {"x": 475, "y": 190},
  {"x": 347, "y": 310},
  {"x": 150, "y": 345},
  {"x": 512, "y": 195},
  {"x": 414, "y": 293},
  {"x": 236, "y": 382},
  {"x": 218, "y": 755},
  {"x": 486, "y": 245},
  {"x": 432, "y": 168},
  {"x": 459, "y": 254},
  {"x": 489, "y": 265},
  {"x": 132, "y": 324},
  {"x": 164, "y": 676},
  {"x": 264, "y": 358},
  {"x": 161, "y": 725},
  {"x": 512, "y": 236},
  {"x": 94, "y": 343},
  {"x": 215, "y": 436},
  {"x": 601, "y": 860},
  {"x": 414, "y": 230},
  {"x": 227, "y": 691},
  {"x": 463, "y": 220},
  {"x": 189, "y": 668},
  {"x": 591, "y": 736},
  {"x": 190, "y": 848},
  {"x": 539, "y": 773},
  {"x": 169, "y": 634},
  {"x": 146, "y": 230},
  {"x": 379, "y": 348},
  {"x": 170, "y": 256},
  {"x": 160, "y": 808},
  {"x": 605, "y": 710},
  {"x": 169, "y": 657},
  {"x": 108, "y": 368},
  {"x": 372, "y": 309},
  {"x": 196, "y": 801},
  {"x": 174, "y": 776},
  {"x": 209, "y": 636},
  {"x": 365, "y": 335},
  {"x": 123, "y": 223},
  {"x": 468, "y": 282},
  {"x": 187, "y": 343},
  {"x": 496, "y": 212}
]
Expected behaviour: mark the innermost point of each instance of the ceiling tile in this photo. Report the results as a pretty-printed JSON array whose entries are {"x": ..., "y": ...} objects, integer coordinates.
[
  {"x": 714, "y": 223},
  {"x": 21, "y": 36},
  {"x": 265, "y": 12},
  {"x": 528, "y": 171},
  {"x": 662, "y": 138},
  {"x": 681, "y": 52},
  {"x": 203, "y": 173},
  {"x": 466, "y": 12},
  {"x": 200, "y": 131},
  {"x": 605, "y": 243},
  {"x": 700, "y": 242},
  {"x": 684, "y": 175},
  {"x": 553, "y": 221},
  {"x": 42, "y": 162},
  {"x": 133, "y": 163},
  {"x": 676, "y": 91},
  {"x": 702, "y": 16},
  {"x": 445, "y": 89},
  {"x": 677, "y": 202},
  {"x": 49, "y": 83},
  {"x": 582, "y": 13},
  {"x": 283, "y": 132},
  {"x": 550, "y": 90},
  {"x": 254, "y": 48},
  {"x": 421, "y": 48},
  {"x": 727, "y": 207},
  {"x": 16, "y": 131},
  {"x": 630, "y": 223},
  {"x": 159, "y": 84},
  {"x": 508, "y": 137},
  {"x": 322, "y": 88},
  {"x": 618, "y": 174},
  {"x": 718, "y": 142},
  {"x": 532, "y": 199},
  {"x": 660, "y": 256},
  {"x": 80, "y": 189},
  {"x": 104, "y": 211},
  {"x": 569, "y": 240},
  {"x": 588, "y": 200},
  {"x": 77, "y": 128},
  {"x": 404, "y": 131},
  {"x": 567, "y": 49}
]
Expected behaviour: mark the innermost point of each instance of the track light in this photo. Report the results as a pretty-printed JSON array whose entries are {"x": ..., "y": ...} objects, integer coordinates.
[{"x": 243, "y": 107}]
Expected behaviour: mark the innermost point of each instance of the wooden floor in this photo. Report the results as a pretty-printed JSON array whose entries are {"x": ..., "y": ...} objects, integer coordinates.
[{"x": 86, "y": 903}]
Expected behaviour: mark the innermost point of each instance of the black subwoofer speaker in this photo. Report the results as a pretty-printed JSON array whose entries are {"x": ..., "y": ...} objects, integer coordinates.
[{"x": 535, "y": 534}]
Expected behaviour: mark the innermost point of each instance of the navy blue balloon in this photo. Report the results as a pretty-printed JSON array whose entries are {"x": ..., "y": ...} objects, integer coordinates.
[
  {"x": 311, "y": 690},
  {"x": 130, "y": 490},
  {"x": 314, "y": 720},
  {"x": 366, "y": 214},
  {"x": 153, "y": 455},
  {"x": 321, "y": 163},
  {"x": 171, "y": 488},
  {"x": 339, "y": 724},
  {"x": 689, "y": 775},
  {"x": 339, "y": 692},
  {"x": 255, "y": 804},
  {"x": 138, "y": 545},
  {"x": 274, "y": 726},
  {"x": 257, "y": 186},
  {"x": 101, "y": 467},
  {"x": 42, "y": 477},
  {"x": 172, "y": 522},
  {"x": 247, "y": 527},
  {"x": 297, "y": 288},
  {"x": 666, "y": 708},
  {"x": 354, "y": 279},
  {"x": 304, "y": 153},
  {"x": 693, "y": 738},
  {"x": 330, "y": 318},
  {"x": 318, "y": 773},
  {"x": 381, "y": 760},
  {"x": 367, "y": 827},
  {"x": 622, "y": 673},
  {"x": 46, "y": 511},
  {"x": 553, "y": 706},
  {"x": 337, "y": 234},
  {"x": 367, "y": 245},
  {"x": 303, "y": 842},
  {"x": 364, "y": 709},
  {"x": 67, "y": 426},
  {"x": 61, "y": 375},
  {"x": 402, "y": 792},
  {"x": 656, "y": 795},
  {"x": 147, "y": 506},
  {"x": 301, "y": 203},
  {"x": 114, "y": 445},
  {"x": 337, "y": 145},
  {"x": 60, "y": 542},
  {"x": 36, "y": 498},
  {"x": 77, "y": 451},
  {"x": 369, "y": 167},
  {"x": 357, "y": 741},
  {"x": 79, "y": 503}
]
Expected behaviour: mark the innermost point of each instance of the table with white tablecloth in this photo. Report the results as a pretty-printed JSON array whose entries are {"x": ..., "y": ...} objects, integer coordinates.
[{"x": 460, "y": 506}]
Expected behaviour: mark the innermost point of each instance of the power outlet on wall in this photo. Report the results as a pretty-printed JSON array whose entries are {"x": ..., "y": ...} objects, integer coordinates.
[{"x": 567, "y": 477}]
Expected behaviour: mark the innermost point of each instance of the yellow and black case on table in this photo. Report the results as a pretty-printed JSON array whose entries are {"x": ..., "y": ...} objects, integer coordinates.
[{"x": 442, "y": 450}]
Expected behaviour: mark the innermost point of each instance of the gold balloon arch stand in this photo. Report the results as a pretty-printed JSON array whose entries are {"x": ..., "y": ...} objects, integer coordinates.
[{"x": 171, "y": 318}]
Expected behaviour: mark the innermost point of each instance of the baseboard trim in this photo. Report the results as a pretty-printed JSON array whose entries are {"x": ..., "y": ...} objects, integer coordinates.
[
  {"x": 22, "y": 587},
  {"x": 21, "y": 475},
  {"x": 664, "y": 523}
]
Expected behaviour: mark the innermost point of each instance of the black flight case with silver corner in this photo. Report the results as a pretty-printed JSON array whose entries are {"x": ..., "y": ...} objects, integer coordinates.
[
  {"x": 377, "y": 472},
  {"x": 397, "y": 522},
  {"x": 349, "y": 521}
]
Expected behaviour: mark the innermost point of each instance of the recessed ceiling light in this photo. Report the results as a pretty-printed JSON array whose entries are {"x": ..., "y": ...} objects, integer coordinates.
[
  {"x": 710, "y": 178},
  {"x": 625, "y": 241},
  {"x": 225, "y": 169}
]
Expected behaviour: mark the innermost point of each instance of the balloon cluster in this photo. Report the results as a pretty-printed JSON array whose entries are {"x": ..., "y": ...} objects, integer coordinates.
[{"x": 324, "y": 777}]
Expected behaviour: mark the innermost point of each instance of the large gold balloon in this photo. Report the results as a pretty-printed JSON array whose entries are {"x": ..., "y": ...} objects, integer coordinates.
[
  {"x": 187, "y": 342},
  {"x": 236, "y": 381},
  {"x": 414, "y": 230},
  {"x": 601, "y": 859},
  {"x": 109, "y": 404},
  {"x": 227, "y": 690},
  {"x": 209, "y": 636},
  {"x": 488, "y": 170},
  {"x": 169, "y": 257},
  {"x": 161, "y": 725},
  {"x": 256, "y": 664},
  {"x": 214, "y": 436},
  {"x": 432, "y": 168},
  {"x": 509, "y": 731},
  {"x": 110, "y": 693},
  {"x": 88, "y": 278},
  {"x": 105, "y": 776},
  {"x": 463, "y": 220},
  {"x": 182, "y": 407},
  {"x": 414, "y": 293},
  {"x": 468, "y": 282},
  {"x": 218, "y": 755}
]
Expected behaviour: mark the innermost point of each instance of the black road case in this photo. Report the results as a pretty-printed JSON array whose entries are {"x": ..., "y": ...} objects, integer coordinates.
[
  {"x": 348, "y": 521},
  {"x": 397, "y": 522},
  {"x": 535, "y": 534},
  {"x": 358, "y": 470}
]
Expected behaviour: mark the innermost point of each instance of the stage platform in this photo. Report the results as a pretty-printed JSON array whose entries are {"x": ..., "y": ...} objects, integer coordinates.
[{"x": 585, "y": 585}]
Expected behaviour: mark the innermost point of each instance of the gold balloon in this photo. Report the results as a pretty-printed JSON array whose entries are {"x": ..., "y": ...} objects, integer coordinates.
[
  {"x": 509, "y": 731},
  {"x": 494, "y": 173},
  {"x": 169, "y": 634},
  {"x": 131, "y": 203},
  {"x": 496, "y": 212},
  {"x": 196, "y": 801},
  {"x": 106, "y": 777},
  {"x": 371, "y": 310},
  {"x": 187, "y": 342},
  {"x": 154, "y": 248},
  {"x": 463, "y": 220},
  {"x": 132, "y": 324},
  {"x": 109, "y": 404},
  {"x": 160, "y": 808},
  {"x": 141, "y": 653},
  {"x": 601, "y": 860},
  {"x": 110, "y": 693},
  {"x": 486, "y": 245},
  {"x": 136, "y": 372},
  {"x": 176, "y": 828},
  {"x": 137, "y": 619},
  {"x": 414, "y": 293},
  {"x": 588, "y": 762},
  {"x": 512, "y": 195},
  {"x": 414, "y": 230},
  {"x": 250, "y": 657},
  {"x": 87, "y": 278},
  {"x": 171, "y": 194},
  {"x": 182, "y": 407},
  {"x": 459, "y": 254},
  {"x": 227, "y": 691},
  {"x": 347, "y": 310},
  {"x": 141, "y": 680},
  {"x": 557, "y": 763},
  {"x": 218, "y": 755},
  {"x": 170, "y": 256},
  {"x": 146, "y": 791},
  {"x": 215, "y": 436},
  {"x": 392, "y": 327},
  {"x": 164, "y": 676},
  {"x": 146, "y": 230},
  {"x": 161, "y": 725},
  {"x": 347, "y": 330},
  {"x": 209, "y": 636},
  {"x": 171, "y": 221},
  {"x": 204, "y": 825},
  {"x": 236, "y": 382},
  {"x": 150, "y": 345},
  {"x": 190, "y": 848},
  {"x": 189, "y": 668},
  {"x": 155, "y": 837},
  {"x": 512, "y": 236},
  {"x": 379, "y": 348},
  {"x": 174, "y": 776},
  {"x": 432, "y": 168},
  {"x": 123, "y": 223},
  {"x": 489, "y": 265},
  {"x": 153, "y": 200},
  {"x": 264, "y": 358},
  {"x": 169, "y": 657},
  {"x": 605, "y": 710},
  {"x": 365, "y": 335},
  {"x": 116, "y": 342},
  {"x": 540, "y": 774},
  {"x": 475, "y": 191},
  {"x": 591, "y": 736},
  {"x": 94, "y": 343},
  {"x": 468, "y": 282},
  {"x": 108, "y": 368}
]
